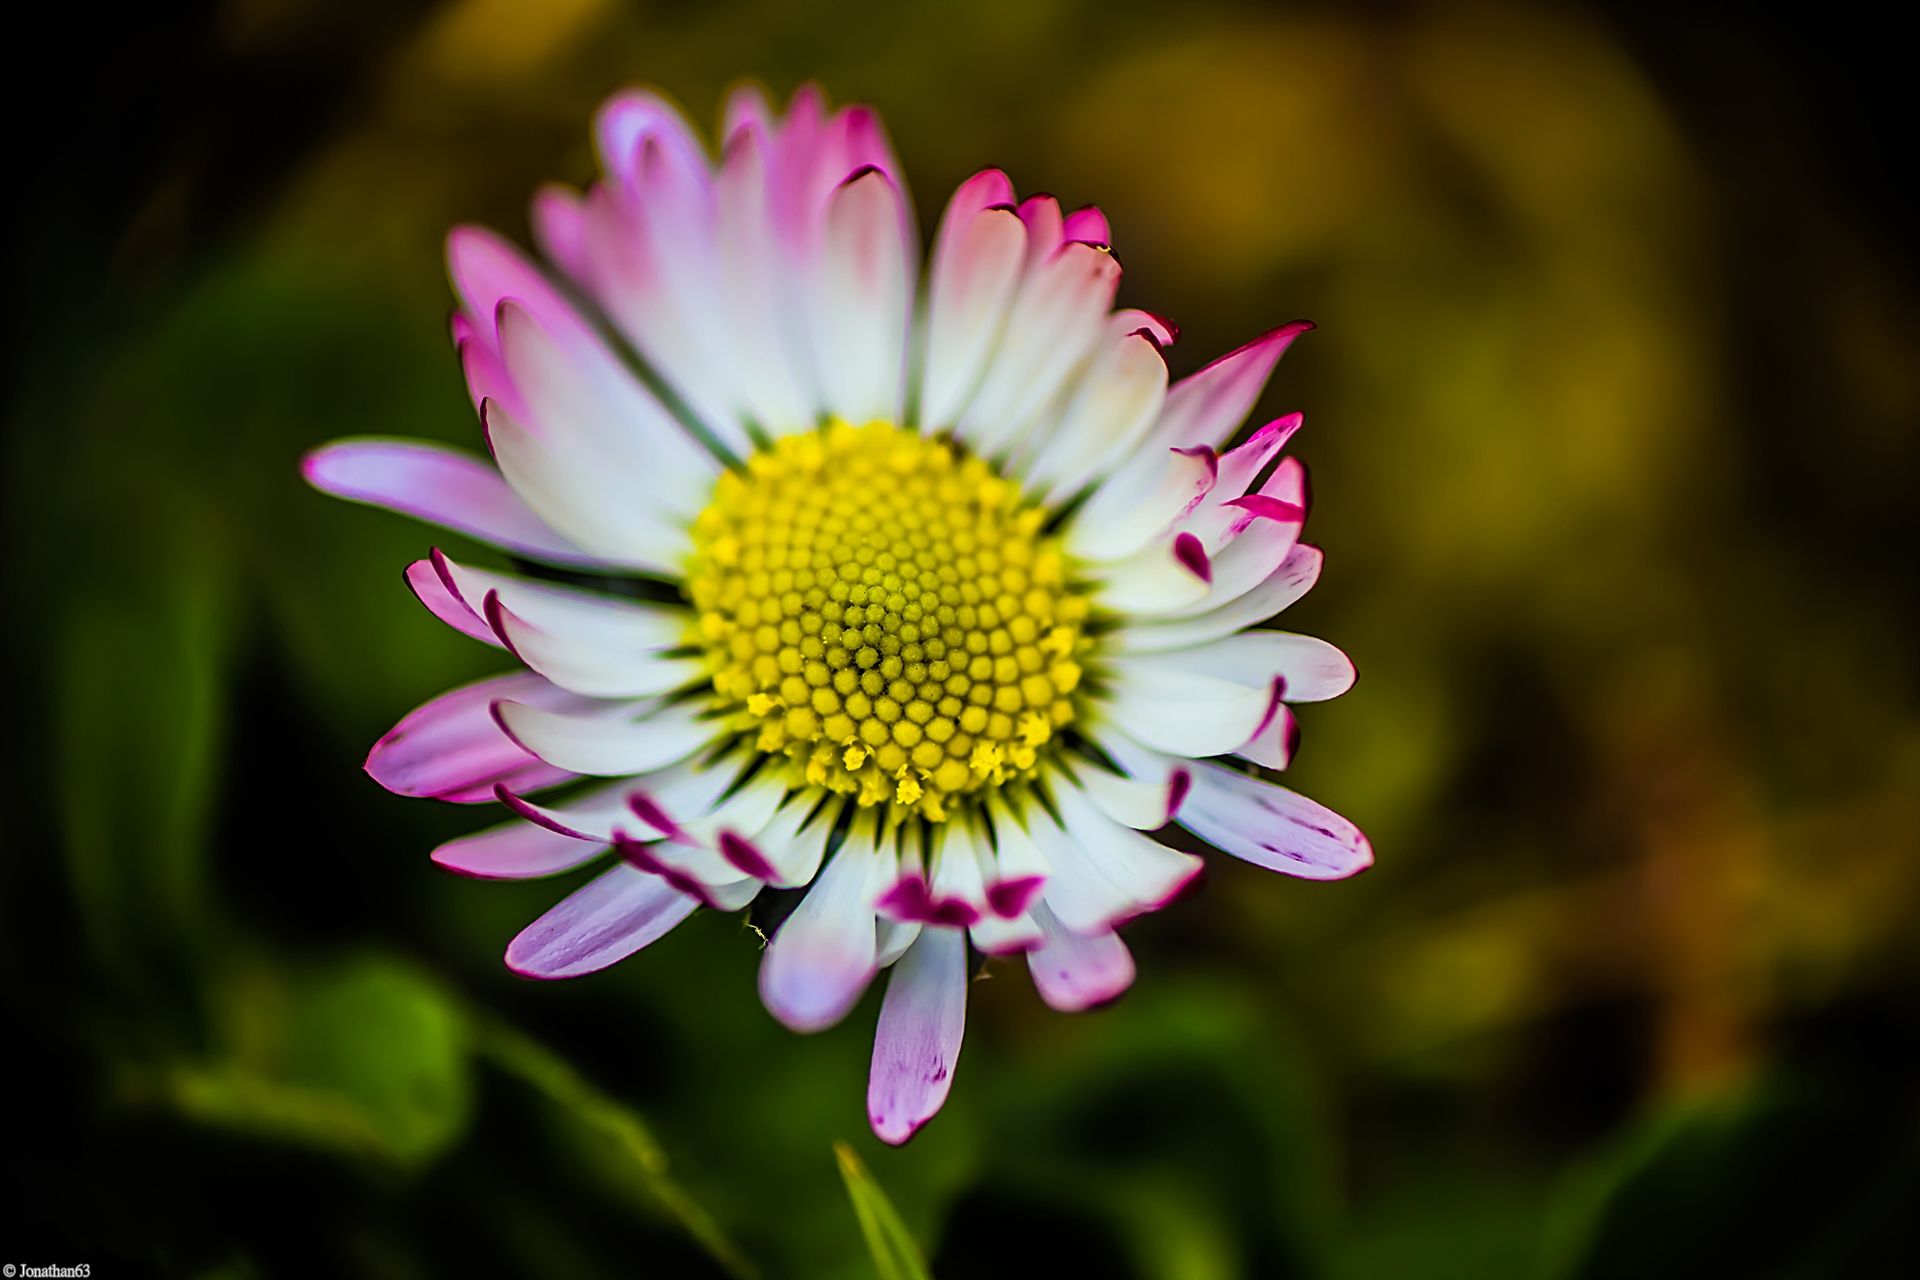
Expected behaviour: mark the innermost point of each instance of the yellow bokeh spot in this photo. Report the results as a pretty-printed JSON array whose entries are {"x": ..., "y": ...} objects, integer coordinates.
[{"x": 886, "y": 612}]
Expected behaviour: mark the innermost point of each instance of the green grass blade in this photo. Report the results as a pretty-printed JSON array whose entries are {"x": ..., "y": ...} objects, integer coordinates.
[{"x": 895, "y": 1255}]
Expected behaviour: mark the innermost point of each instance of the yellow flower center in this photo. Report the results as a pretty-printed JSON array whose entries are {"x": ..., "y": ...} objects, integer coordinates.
[{"x": 884, "y": 611}]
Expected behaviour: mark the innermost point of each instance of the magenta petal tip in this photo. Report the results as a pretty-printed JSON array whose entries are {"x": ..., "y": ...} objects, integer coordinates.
[{"x": 1192, "y": 555}]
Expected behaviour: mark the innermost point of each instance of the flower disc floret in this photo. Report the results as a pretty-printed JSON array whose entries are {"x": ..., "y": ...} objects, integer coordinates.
[{"x": 885, "y": 611}]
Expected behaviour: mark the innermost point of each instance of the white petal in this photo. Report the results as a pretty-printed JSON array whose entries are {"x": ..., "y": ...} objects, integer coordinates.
[
  {"x": 1273, "y": 746},
  {"x": 865, "y": 297},
  {"x": 625, "y": 277},
  {"x": 619, "y": 740},
  {"x": 559, "y": 227},
  {"x": 1185, "y": 713},
  {"x": 895, "y": 937},
  {"x": 743, "y": 813},
  {"x": 1242, "y": 465},
  {"x": 1311, "y": 669},
  {"x": 1001, "y": 935},
  {"x": 693, "y": 870},
  {"x": 1151, "y": 581},
  {"x": 651, "y": 260},
  {"x": 590, "y": 665},
  {"x": 451, "y": 748},
  {"x": 487, "y": 270},
  {"x": 1046, "y": 228},
  {"x": 1019, "y": 868},
  {"x": 1130, "y": 508},
  {"x": 769, "y": 364},
  {"x": 1142, "y": 764},
  {"x": 589, "y": 642},
  {"x": 1150, "y": 873},
  {"x": 634, "y": 117},
  {"x": 787, "y": 851},
  {"x": 1102, "y": 873},
  {"x": 976, "y": 268},
  {"x": 1053, "y": 326},
  {"x": 1109, "y": 412},
  {"x": 1292, "y": 580},
  {"x": 1132, "y": 802},
  {"x": 826, "y": 952},
  {"x": 951, "y": 891},
  {"x": 669, "y": 800},
  {"x": 593, "y": 815},
  {"x": 732, "y": 897},
  {"x": 592, "y": 413},
  {"x": 588, "y": 504},
  {"x": 573, "y": 611},
  {"x": 958, "y": 876},
  {"x": 1253, "y": 556},
  {"x": 1075, "y": 890}
]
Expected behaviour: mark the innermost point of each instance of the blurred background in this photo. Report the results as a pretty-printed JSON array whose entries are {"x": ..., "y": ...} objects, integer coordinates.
[{"x": 1610, "y": 416}]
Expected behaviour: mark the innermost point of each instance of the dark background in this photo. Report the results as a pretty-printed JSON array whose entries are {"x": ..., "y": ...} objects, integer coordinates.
[{"x": 1611, "y": 420}]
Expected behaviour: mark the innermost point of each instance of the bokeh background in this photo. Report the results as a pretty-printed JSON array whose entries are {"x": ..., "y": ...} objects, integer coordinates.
[{"x": 1611, "y": 419}]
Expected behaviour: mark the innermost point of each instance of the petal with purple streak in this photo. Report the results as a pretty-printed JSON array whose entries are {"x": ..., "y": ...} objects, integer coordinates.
[
  {"x": 451, "y": 749},
  {"x": 1075, "y": 971},
  {"x": 917, "y": 1043},
  {"x": 424, "y": 580},
  {"x": 516, "y": 850},
  {"x": 601, "y": 923},
  {"x": 1272, "y": 827},
  {"x": 442, "y": 486}
]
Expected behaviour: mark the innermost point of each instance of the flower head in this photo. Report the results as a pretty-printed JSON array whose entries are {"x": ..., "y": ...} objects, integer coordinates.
[{"x": 927, "y": 606}]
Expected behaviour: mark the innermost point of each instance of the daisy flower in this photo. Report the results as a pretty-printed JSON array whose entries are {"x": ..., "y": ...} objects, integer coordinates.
[{"x": 919, "y": 611}]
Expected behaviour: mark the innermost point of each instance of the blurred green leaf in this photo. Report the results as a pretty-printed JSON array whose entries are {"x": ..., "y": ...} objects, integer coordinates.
[
  {"x": 386, "y": 1037},
  {"x": 239, "y": 1100},
  {"x": 366, "y": 1059},
  {"x": 141, "y": 688},
  {"x": 623, "y": 1134},
  {"x": 895, "y": 1256}
]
